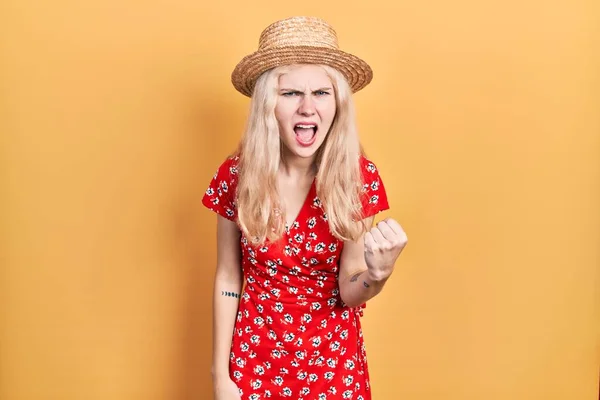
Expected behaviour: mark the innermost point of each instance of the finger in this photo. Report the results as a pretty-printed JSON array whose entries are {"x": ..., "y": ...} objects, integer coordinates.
[
  {"x": 369, "y": 242},
  {"x": 386, "y": 231},
  {"x": 377, "y": 236},
  {"x": 394, "y": 226}
]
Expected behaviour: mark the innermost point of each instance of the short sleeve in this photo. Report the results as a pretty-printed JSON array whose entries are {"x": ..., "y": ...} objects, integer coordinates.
[
  {"x": 220, "y": 194},
  {"x": 374, "y": 198}
]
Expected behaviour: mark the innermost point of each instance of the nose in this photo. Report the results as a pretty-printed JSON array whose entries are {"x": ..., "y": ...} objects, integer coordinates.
[{"x": 307, "y": 106}]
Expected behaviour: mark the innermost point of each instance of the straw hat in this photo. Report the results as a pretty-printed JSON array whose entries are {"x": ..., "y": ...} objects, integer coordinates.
[{"x": 299, "y": 40}]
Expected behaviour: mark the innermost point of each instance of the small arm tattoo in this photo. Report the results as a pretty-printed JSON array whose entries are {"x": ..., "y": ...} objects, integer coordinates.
[
  {"x": 230, "y": 294},
  {"x": 365, "y": 284},
  {"x": 355, "y": 277}
]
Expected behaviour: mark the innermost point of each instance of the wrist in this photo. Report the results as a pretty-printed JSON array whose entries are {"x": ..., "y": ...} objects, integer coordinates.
[{"x": 376, "y": 277}]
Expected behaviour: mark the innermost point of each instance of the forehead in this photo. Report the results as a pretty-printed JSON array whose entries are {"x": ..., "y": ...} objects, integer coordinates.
[{"x": 305, "y": 76}]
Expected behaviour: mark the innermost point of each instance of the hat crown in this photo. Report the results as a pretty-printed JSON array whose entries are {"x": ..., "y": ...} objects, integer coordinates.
[{"x": 298, "y": 31}]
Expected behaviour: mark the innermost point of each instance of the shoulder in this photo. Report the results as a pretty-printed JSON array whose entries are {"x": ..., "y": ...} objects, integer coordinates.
[
  {"x": 220, "y": 194},
  {"x": 367, "y": 166},
  {"x": 374, "y": 196},
  {"x": 228, "y": 168}
]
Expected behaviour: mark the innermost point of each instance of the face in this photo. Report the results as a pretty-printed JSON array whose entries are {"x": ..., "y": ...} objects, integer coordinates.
[{"x": 305, "y": 109}]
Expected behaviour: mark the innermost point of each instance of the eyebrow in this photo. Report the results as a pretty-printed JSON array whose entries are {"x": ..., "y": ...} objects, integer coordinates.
[{"x": 297, "y": 90}]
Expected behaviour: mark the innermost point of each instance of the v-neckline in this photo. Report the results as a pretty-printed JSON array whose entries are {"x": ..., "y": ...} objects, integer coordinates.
[{"x": 307, "y": 199}]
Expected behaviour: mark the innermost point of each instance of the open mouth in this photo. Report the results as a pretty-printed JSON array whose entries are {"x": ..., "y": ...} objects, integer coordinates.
[{"x": 305, "y": 133}]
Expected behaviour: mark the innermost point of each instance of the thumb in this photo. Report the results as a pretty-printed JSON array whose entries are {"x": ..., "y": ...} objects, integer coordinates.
[{"x": 369, "y": 242}]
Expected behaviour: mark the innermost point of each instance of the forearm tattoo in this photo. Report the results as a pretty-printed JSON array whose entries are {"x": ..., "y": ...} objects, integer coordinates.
[
  {"x": 355, "y": 278},
  {"x": 230, "y": 294}
]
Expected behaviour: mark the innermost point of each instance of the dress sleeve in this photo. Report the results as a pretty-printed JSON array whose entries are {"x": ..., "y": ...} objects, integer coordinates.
[
  {"x": 220, "y": 194},
  {"x": 374, "y": 199}
]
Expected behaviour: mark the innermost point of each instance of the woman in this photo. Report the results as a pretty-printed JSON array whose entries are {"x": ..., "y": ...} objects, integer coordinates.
[{"x": 295, "y": 207}]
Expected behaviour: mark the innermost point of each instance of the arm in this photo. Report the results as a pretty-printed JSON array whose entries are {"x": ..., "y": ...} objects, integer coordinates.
[
  {"x": 228, "y": 281},
  {"x": 366, "y": 265},
  {"x": 355, "y": 286}
]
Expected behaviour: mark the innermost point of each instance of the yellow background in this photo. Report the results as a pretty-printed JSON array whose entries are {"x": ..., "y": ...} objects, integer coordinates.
[{"x": 483, "y": 118}]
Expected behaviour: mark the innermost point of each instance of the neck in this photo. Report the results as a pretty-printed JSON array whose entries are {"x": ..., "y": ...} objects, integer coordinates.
[{"x": 297, "y": 167}]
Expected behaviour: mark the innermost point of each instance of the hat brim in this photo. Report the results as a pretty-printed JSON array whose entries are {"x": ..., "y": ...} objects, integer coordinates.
[{"x": 356, "y": 71}]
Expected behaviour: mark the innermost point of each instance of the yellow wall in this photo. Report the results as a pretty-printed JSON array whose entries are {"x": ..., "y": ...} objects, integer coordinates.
[{"x": 483, "y": 118}]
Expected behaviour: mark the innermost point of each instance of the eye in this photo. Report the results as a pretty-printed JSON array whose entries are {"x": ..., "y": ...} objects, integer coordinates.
[
  {"x": 321, "y": 93},
  {"x": 291, "y": 94}
]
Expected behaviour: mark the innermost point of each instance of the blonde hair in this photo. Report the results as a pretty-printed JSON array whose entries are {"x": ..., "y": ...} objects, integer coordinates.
[{"x": 338, "y": 179}]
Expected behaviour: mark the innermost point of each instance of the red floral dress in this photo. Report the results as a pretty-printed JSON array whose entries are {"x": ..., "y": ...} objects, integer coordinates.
[{"x": 293, "y": 337}]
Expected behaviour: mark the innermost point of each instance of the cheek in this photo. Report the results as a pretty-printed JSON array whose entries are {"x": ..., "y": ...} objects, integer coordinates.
[
  {"x": 328, "y": 112},
  {"x": 282, "y": 114}
]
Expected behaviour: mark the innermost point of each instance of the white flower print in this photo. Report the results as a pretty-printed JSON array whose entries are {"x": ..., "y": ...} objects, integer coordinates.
[
  {"x": 278, "y": 380},
  {"x": 224, "y": 187},
  {"x": 256, "y": 384},
  {"x": 316, "y": 341},
  {"x": 288, "y": 250},
  {"x": 275, "y": 353},
  {"x": 349, "y": 365},
  {"x": 288, "y": 337}
]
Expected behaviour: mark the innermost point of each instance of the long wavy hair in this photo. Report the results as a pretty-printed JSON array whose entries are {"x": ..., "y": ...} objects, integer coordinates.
[{"x": 338, "y": 178}]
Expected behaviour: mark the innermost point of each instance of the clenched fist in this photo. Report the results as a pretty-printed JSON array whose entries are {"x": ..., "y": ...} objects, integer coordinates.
[{"x": 383, "y": 245}]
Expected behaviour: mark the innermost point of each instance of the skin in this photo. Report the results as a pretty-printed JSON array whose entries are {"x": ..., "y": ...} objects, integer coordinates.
[{"x": 305, "y": 95}]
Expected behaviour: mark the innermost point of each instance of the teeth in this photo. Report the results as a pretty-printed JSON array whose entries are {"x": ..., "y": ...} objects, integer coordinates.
[{"x": 305, "y": 126}]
